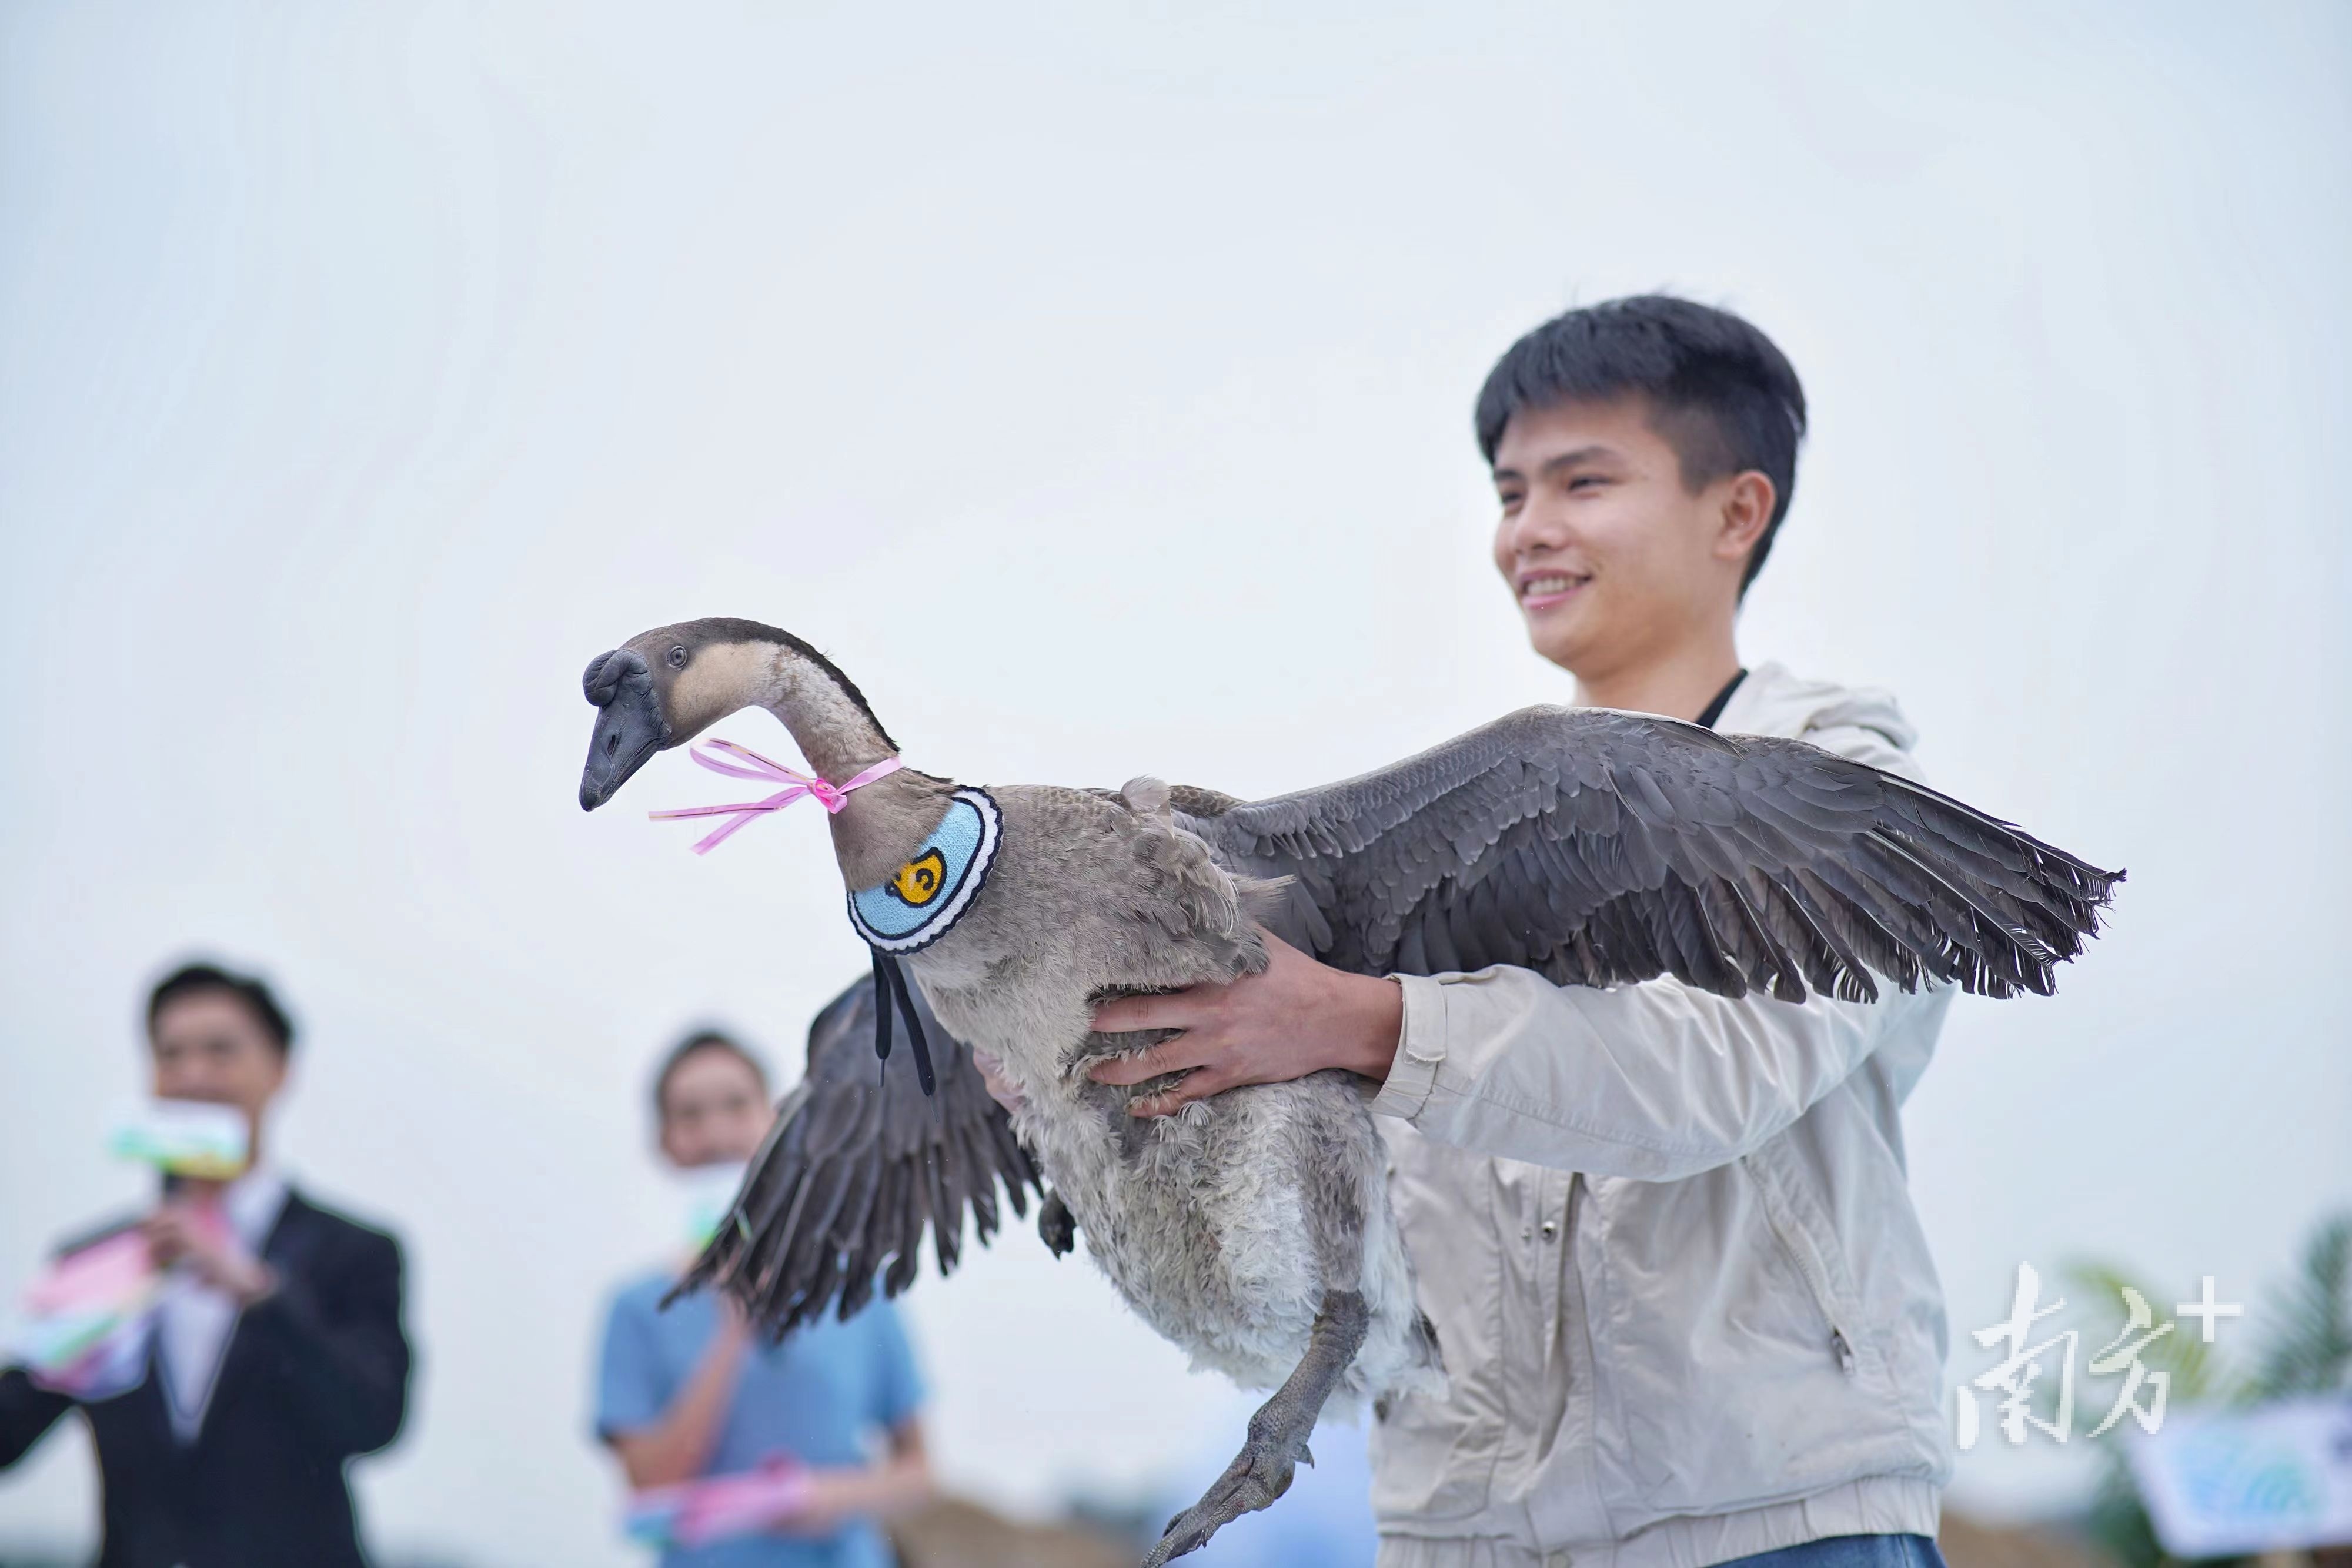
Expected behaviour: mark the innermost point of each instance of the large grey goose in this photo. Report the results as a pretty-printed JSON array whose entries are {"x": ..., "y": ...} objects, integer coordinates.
[{"x": 1253, "y": 1229}]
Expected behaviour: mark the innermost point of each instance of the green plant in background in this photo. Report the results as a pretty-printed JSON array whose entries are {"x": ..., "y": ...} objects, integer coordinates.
[{"x": 2304, "y": 1346}]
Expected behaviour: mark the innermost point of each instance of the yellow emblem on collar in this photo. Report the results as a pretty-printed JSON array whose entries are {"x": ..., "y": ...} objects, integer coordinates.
[{"x": 919, "y": 880}]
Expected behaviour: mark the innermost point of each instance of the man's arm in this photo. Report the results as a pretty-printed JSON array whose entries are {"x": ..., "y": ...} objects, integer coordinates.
[
  {"x": 333, "y": 1351},
  {"x": 1298, "y": 1017},
  {"x": 27, "y": 1412},
  {"x": 1655, "y": 1082},
  {"x": 895, "y": 1484},
  {"x": 674, "y": 1445},
  {"x": 1652, "y": 1081},
  {"x": 338, "y": 1357}
]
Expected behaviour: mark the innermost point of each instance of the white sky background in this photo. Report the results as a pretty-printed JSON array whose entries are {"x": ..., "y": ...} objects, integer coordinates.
[{"x": 1097, "y": 391}]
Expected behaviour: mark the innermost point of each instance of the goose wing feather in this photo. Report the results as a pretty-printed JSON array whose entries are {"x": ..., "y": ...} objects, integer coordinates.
[
  {"x": 1595, "y": 847},
  {"x": 1600, "y": 847},
  {"x": 857, "y": 1169}
]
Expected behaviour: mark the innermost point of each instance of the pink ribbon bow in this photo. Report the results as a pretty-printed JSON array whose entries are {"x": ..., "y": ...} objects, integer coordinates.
[{"x": 831, "y": 797}]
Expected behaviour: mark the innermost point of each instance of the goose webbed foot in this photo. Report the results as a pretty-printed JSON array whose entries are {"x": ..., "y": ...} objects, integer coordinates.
[
  {"x": 1057, "y": 1227},
  {"x": 1261, "y": 1472}
]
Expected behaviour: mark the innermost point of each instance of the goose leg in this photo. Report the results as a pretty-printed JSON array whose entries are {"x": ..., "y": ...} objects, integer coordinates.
[{"x": 1277, "y": 1433}]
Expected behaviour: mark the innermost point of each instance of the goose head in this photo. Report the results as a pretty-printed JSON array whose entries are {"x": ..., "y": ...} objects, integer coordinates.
[{"x": 661, "y": 688}]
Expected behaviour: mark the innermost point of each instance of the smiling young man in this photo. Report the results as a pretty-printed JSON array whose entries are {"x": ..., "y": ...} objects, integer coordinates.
[{"x": 1686, "y": 1311}]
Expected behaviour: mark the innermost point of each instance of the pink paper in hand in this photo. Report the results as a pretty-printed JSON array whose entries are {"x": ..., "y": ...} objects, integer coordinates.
[
  {"x": 109, "y": 1270},
  {"x": 720, "y": 1508},
  {"x": 114, "y": 1364},
  {"x": 726, "y": 1506},
  {"x": 85, "y": 1321}
]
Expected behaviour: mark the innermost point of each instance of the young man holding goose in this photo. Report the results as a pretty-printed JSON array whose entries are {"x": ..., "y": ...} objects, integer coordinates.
[{"x": 1686, "y": 1309}]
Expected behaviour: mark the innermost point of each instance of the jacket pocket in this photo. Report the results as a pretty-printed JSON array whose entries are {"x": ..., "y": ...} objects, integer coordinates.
[
  {"x": 1808, "y": 1266},
  {"x": 1720, "y": 1352}
]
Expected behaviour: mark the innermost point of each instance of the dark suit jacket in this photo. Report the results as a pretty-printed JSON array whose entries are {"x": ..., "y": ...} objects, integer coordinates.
[{"x": 312, "y": 1375}]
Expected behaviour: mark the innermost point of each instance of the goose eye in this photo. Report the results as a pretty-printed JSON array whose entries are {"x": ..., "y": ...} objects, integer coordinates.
[{"x": 678, "y": 657}]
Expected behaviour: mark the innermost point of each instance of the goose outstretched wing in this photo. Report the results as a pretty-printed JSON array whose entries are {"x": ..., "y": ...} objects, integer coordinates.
[
  {"x": 1598, "y": 847},
  {"x": 857, "y": 1167}
]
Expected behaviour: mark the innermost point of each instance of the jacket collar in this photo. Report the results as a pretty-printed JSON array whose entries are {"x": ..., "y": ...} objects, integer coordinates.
[{"x": 1771, "y": 701}]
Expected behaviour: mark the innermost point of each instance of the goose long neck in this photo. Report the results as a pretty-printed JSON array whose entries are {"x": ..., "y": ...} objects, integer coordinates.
[
  {"x": 832, "y": 727},
  {"x": 881, "y": 825}
]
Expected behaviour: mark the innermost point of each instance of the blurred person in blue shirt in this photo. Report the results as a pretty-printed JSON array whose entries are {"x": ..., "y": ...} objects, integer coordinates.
[{"x": 695, "y": 1391}]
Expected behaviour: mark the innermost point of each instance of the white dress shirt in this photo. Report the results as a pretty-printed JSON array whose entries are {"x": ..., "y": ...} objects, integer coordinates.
[{"x": 194, "y": 1319}]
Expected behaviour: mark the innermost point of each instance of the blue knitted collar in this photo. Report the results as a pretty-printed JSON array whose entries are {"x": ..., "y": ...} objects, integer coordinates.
[{"x": 921, "y": 900}]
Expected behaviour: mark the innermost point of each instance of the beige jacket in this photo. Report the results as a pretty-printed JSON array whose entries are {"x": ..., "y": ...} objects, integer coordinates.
[{"x": 1686, "y": 1307}]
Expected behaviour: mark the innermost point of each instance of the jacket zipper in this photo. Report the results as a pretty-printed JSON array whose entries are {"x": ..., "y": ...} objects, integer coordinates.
[{"x": 1817, "y": 1287}]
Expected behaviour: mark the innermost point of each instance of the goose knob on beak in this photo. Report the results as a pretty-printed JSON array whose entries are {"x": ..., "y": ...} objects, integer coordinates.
[{"x": 629, "y": 723}]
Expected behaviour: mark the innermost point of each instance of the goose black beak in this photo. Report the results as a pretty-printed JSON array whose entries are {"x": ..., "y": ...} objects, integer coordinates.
[{"x": 629, "y": 724}]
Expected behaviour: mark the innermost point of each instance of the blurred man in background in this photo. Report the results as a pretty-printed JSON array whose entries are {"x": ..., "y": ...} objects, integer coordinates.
[
  {"x": 690, "y": 1392},
  {"x": 276, "y": 1353}
]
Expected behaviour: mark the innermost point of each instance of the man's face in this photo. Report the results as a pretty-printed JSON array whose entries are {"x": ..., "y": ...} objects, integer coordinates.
[
  {"x": 714, "y": 1110},
  {"x": 209, "y": 1046},
  {"x": 1609, "y": 558}
]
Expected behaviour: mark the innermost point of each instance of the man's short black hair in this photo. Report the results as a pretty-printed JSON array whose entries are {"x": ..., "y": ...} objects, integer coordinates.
[
  {"x": 699, "y": 1041},
  {"x": 189, "y": 979},
  {"x": 1720, "y": 393}
]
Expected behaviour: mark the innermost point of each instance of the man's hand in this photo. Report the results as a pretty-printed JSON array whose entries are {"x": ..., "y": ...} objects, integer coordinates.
[
  {"x": 1297, "y": 1018},
  {"x": 180, "y": 1233}
]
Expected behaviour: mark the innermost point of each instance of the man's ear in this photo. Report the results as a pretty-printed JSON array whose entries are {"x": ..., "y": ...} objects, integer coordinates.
[{"x": 1748, "y": 502}]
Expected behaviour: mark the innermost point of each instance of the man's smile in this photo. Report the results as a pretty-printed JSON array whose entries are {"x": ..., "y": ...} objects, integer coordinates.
[{"x": 1541, "y": 591}]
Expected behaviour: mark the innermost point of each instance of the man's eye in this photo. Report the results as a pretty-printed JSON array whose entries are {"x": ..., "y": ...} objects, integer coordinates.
[{"x": 1586, "y": 482}]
